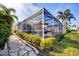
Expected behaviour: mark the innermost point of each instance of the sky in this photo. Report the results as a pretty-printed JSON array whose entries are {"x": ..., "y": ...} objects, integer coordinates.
[{"x": 24, "y": 10}]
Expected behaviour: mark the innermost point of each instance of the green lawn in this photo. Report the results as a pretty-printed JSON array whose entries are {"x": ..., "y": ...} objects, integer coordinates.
[{"x": 69, "y": 46}]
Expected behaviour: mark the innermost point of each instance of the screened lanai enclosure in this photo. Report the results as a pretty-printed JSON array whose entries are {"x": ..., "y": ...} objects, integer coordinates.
[{"x": 42, "y": 23}]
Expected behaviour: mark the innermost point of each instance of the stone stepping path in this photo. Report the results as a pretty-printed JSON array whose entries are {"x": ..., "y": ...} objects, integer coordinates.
[{"x": 18, "y": 47}]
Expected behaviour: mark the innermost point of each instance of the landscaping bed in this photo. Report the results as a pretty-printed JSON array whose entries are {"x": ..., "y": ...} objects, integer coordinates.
[
  {"x": 69, "y": 46},
  {"x": 52, "y": 46},
  {"x": 43, "y": 45}
]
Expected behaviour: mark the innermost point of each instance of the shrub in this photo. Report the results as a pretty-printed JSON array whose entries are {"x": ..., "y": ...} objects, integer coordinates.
[
  {"x": 2, "y": 43},
  {"x": 68, "y": 31},
  {"x": 60, "y": 37},
  {"x": 5, "y": 31},
  {"x": 48, "y": 42},
  {"x": 24, "y": 36},
  {"x": 34, "y": 40}
]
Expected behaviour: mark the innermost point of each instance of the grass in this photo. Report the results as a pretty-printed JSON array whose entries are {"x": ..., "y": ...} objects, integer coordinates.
[
  {"x": 69, "y": 51},
  {"x": 67, "y": 47}
]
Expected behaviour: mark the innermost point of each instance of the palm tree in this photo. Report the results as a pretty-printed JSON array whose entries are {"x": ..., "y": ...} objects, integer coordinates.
[
  {"x": 61, "y": 16},
  {"x": 6, "y": 14},
  {"x": 6, "y": 22},
  {"x": 66, "y": 17}
]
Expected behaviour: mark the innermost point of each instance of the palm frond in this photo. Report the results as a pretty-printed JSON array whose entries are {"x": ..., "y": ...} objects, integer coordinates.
[
  {"x": 14, "y": 17},
  {"x": 61, "y": 13},
  {"x": 11, "y": 10},
  {"x": 67, "y": 12},
  {"x": 58, "y": 17},
  {"x": 72, "y": 16},
  {"x": 5, "y": 9}
]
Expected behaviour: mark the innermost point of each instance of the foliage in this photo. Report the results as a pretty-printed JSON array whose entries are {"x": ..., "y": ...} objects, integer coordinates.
[
  {"x": 66, "y": 17},
  {"x": 48, "y": 42},
  {"x": 73, "y": 35},
  {"x": 6, "y": 20},
  {"x": 7, "y": 15},
  {"x": 68, "y": 46},
  {"x": 34, "y": 40},
  {"x": 68, "y": 31},
  {"x": 69, "y": 51},
  {"x": 4, "y": 34},
  {"x": 60, "y": 37}
]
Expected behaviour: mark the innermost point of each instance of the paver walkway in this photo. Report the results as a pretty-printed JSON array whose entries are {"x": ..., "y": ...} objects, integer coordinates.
[{"x": 18, "y": 47}]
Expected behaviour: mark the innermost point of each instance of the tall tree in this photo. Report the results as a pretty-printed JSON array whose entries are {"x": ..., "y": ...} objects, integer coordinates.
[
  {"x": 7, "y": 14},
  {"x": 66, "y": 17},
  {"x": 61, "y": 16}
]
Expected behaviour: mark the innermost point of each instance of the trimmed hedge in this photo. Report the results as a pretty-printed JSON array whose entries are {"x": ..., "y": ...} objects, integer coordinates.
[
  {"x": 34, "y": 40},
  {"x": 48, "y": 43}
]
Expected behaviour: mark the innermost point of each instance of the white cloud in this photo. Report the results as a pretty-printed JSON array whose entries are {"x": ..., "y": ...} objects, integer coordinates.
[
  {"x": 23, "y": 10},
  {"x": 17, "y": 6},
  {"x": 30, "y": 9}
]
